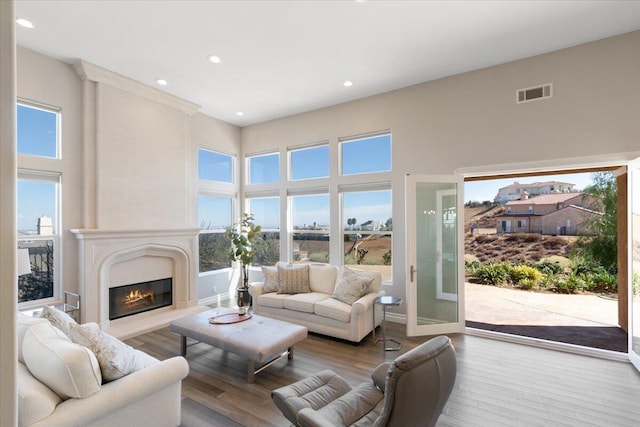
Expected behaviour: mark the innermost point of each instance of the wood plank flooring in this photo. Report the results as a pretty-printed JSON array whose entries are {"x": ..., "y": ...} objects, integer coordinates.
[{"x": 498, "y": 383}]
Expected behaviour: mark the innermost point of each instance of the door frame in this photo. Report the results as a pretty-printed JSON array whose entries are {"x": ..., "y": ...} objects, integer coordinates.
[
  {"x": 632, "y": 166},
  {"x": 552, "y": 167}
]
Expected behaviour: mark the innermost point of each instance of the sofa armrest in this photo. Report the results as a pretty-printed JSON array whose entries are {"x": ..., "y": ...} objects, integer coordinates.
[
  {"x": 364, "y": 303},
  {"x": 115, "y": 395},
  {"x": 255, "y": 289}
]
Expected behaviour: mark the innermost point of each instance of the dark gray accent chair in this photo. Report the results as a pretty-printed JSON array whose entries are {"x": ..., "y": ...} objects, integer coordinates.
[{"x": 410, "y": 391}]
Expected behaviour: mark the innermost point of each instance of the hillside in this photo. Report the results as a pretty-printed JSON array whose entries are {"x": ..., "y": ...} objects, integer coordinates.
[{"x": 486, "y": 245}]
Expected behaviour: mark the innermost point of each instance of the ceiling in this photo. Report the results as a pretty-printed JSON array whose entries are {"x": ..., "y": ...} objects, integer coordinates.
[{"x": 280, "y": 58}]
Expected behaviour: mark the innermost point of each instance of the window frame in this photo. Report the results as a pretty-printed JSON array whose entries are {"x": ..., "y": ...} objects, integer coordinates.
[
  {"x": 233, "y": 159},
  {"x": 247, "y": 163},
  {"x": 363, "y": 188},
  {"x": 56, "y": 237},
  {"x": 292, "y": 150},
  {"x": 233, "y": 200},
  {"x": 352, "y": 139},
  {"x": 57, "y": 111}
]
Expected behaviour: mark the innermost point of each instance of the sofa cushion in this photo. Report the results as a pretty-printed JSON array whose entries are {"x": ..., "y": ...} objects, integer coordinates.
[
  {"x": 375, "y": 286},
  {"x": 36, "y": 401},
  {"x": 273, "y": 299},
  {"x": 322, "y": 278},
  {"x": 68, "y": 369},
  {"x": 333, "y": 309},
  {"x": 304, "y": 302},
  {"x": 271, "y": 279},
  {"x": 116, "y": 359},
  {"x": 351, "y": 286},
  {"x": 24, "y": 322},
  {"x": 58, "y": 318},
  {"x": 294, "y": 279}
]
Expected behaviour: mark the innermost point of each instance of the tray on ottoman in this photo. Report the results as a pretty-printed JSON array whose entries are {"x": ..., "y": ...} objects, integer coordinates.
[{"x": 261, "y": 340}]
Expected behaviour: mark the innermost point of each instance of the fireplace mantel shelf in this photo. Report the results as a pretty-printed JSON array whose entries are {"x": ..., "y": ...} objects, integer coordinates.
[{"x": 98, "y": 233}]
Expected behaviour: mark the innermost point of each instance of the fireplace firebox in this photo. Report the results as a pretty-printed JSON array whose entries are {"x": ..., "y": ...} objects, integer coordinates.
[{"x": 137, "y": 298}]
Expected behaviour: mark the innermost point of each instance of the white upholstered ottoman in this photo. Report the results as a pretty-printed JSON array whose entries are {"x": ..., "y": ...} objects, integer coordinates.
[{"x": 261, "y": 340}]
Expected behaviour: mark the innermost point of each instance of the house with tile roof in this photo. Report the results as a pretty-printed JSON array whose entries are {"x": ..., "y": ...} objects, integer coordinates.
[{"x": 551, "y": 214}]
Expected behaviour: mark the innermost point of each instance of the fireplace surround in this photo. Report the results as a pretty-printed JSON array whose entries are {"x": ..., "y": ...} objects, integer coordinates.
[{"x": 113, "y": 258}]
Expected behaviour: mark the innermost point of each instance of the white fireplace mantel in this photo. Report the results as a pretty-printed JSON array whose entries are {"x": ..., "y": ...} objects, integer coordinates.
[{"x": 100, "y": 250}]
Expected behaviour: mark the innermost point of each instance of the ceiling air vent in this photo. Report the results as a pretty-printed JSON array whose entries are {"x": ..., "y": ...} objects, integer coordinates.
[{"x": 534, "y": 93}]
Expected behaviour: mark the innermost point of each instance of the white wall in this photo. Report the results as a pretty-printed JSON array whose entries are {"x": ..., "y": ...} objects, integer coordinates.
[{"x": 472, "y": 119}]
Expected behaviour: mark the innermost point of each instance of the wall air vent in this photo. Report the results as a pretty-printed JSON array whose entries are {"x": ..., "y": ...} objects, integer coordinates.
[{"x": 534, "y": 93}]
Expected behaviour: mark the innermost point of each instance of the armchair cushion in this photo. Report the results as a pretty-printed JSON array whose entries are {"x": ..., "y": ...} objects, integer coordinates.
[
  {"x": 351, "y": 407},
  {"x": 313, "y": 392}
]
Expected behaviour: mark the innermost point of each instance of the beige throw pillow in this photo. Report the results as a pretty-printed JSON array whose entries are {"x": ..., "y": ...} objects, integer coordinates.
[
  {"x": 271, "y": 280},
  {"x": 69, "y": 369},
  {"x": 58, "y": 318},
  {"x": 116, "y": 358},
  {"x": 351, "y": 286},
  {"x": 294, "y": 279}
]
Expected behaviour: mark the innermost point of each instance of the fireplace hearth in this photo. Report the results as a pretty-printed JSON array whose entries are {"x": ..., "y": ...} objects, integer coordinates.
[{"x": 137, "y": 298}]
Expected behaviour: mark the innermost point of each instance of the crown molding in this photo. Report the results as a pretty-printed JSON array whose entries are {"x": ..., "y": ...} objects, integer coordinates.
[{"x": 88, "y": 71}]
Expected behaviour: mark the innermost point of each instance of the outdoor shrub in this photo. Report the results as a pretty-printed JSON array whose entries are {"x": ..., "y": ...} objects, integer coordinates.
[
  {"x": 568, "y": 284},
  {"x": 602, "y": 282},
  {"x": 491, "y": 274},
  {"x": 524, "y": 276},
  {"x": 472, "y": 266},
  {"x": 548, "y": 267}
]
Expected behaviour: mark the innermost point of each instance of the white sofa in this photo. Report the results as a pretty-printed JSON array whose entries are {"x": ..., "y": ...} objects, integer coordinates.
[
  {"x": 150, "y": 396},
  {"x": 317, "y": 310}
]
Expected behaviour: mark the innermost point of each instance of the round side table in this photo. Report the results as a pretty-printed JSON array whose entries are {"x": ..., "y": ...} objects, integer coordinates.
[{"x": 385, "y": 301}]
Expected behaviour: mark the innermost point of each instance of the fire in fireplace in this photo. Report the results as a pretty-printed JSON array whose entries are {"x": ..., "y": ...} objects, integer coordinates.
[{"x": 139, "y": 297}]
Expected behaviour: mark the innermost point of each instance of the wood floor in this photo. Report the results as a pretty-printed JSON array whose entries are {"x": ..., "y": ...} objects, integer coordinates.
[{"x": 498, "y": 383}]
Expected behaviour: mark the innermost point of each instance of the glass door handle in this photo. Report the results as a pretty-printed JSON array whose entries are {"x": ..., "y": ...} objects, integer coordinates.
[{"x": 412, "y": 270}]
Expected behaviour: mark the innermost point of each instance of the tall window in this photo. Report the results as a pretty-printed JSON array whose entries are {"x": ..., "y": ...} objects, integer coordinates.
[
  {"x": 214, "y": 216},
  {"x": 214, "y": 166},
  {"x": 38, "y": 197},
  {"x": 309, "y": 163},
  {"x": 367, "y": 229},
  {"x": 366, "y": 155},
  {"x": 310, "y": 234},
  {"x": 263, "y": 169},
  {"x": 266, "y": 213}
]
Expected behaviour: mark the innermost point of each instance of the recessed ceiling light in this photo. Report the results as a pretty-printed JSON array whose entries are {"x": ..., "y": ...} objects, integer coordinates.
[
  {"x": 348, "y": 83},
  {"x": 162, "y": 82},
  {"x": 24, "y": 23},
  {"x": 214, "y": 58},
  {"x": 239, "y": 113}
]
